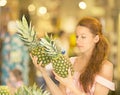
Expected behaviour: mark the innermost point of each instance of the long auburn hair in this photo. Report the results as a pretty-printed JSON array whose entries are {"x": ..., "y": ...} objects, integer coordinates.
[
  {"x": 99, "y": 53},
  {"x": 18, "y": 74}
]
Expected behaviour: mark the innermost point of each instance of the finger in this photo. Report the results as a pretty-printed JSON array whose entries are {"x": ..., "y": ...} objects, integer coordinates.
[
  {"x": 31, "y": 56},
  {"x": 35, "y": 60},
  {"x": 57, "y": 76},
  {"x": 69, "y": 72},
  {"x": 54, "y": 73},
  {"x": 40, "y": 63},
  {"x": 57, "y": 79}
]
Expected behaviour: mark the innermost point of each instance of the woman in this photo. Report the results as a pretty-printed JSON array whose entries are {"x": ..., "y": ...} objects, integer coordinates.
[
  {"x": 15, "y": 80},
  {"x": 93, "y": 72}
]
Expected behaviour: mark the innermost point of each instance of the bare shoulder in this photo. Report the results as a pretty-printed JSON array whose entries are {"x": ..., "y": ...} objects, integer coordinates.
[
  {"x": 107, "y": 70},
  {"x": 72, "y": 59},
  {"x": 107, "y": 65}
]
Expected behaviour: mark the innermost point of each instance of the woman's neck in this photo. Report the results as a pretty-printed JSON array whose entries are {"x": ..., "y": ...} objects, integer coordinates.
[
  {"x": 82, "y": 61},
  {"x": 86, "y": 55}
]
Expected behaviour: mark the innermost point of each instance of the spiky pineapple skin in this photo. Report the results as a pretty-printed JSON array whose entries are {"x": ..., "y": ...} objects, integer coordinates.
[
  {"x": 4, "y": 90},
  {"x": 28, "y": 35},
  {"x": 38, "y": 51},
  {"x": 61, "y": 64}
]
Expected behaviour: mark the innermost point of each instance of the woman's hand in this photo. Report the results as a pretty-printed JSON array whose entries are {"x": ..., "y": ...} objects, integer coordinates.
[
  {"x": 37, "y": 65},
  {"x": 68, "y": 81}
]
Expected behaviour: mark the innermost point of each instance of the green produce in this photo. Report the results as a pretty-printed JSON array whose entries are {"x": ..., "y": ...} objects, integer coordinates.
[
  {"x": 4, "y": 90},
  {"x": 28, "y": 36},
  {"x": 31, "y": 90},
  {"x": 60, "y": 62}
]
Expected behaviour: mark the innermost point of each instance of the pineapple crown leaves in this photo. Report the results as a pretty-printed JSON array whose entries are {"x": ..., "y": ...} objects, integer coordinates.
[
  {"x": 50, "y": 46},
  {"x": 23, "y": 90},
  {"x": 26, "y": 32},
  {"x": 31, "y": 90}
]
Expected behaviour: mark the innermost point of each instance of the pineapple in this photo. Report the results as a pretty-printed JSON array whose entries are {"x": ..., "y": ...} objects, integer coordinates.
[
  {"x": 4, "y": 90},
  {"x": 60, "y": 62},
  {"x": 31, "y": 90},
  {"x": 28, "y": 36}
]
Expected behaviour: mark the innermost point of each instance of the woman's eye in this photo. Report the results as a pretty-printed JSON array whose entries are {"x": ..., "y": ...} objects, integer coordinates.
[
  {"x": 76, "y": 36},
  {"x": 83, "y": 37}
]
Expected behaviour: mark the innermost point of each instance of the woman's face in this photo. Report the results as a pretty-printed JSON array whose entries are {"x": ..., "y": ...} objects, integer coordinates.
[
  {"x": 85, "y": 40},
  {"x": 12, "y": 77}
]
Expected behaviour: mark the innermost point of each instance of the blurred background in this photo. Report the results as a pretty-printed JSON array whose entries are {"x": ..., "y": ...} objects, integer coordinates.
[{"x": 57, "y": 17}]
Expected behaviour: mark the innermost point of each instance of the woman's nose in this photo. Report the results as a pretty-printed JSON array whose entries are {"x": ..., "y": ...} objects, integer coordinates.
[{"x": 77, "y": 41}]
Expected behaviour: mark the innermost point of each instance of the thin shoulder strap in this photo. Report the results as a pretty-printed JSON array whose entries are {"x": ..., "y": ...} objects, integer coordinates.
[
  {"x": 72, "y": 59},
  {"x": 101, "y": 80}
]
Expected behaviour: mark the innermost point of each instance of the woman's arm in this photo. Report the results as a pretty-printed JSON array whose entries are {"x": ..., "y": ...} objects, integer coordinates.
[
  {"x": 107, "y": 73},
  {"x": 69, "y": 83},
  {"x": 54, "y": 89}
]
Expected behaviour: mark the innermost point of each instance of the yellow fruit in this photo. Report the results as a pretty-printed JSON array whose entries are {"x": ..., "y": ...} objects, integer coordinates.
[
  {"x": 28, "y": 36},
  {"x": 60, "y": 62},
  {"x": 4, "y": 90}
]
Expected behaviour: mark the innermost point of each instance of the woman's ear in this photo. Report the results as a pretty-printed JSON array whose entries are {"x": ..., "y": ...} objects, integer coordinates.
[{"x": 96, "y": 39}]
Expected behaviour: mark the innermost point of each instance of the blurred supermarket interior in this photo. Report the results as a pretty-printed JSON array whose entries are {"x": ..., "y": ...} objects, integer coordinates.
[{"x": 55, "y": 16}]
